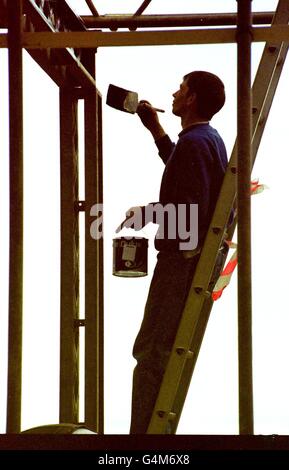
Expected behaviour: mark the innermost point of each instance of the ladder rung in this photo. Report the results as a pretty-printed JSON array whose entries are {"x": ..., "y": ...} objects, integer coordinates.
[
  {"x": 201, "y": 291},
  {"x": 166, "y": 414},
  {"x": 180, "y": 351}
]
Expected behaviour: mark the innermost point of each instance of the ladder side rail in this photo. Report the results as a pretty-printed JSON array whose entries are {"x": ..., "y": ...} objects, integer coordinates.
[{"x": 181, "y": 352}]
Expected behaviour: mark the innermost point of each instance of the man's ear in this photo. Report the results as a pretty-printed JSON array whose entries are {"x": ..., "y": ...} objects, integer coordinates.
[{"x": 192, "y": 98}]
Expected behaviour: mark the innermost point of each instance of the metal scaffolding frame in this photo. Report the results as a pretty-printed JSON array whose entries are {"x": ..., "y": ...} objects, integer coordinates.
[
  {"x": 16, "y": 217},
  {"x": 61, "y": 43},
  {"x": 73, "y": 70},
  {"x": 244, "y": 166}
]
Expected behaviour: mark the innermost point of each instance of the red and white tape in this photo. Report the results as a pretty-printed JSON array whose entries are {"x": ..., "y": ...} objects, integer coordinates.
[
  {"x": 225, "y": 276},
  {"x": 257, "y": 188}
]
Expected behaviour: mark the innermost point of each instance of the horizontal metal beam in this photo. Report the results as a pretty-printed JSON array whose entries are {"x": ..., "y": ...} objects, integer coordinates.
[
  {"x": 90, "y": 39},
  {"x": 114, "y": 22}
]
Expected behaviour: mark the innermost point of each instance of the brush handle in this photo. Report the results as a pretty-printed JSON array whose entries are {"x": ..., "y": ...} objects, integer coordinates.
[{"x": 142, "y": 102}]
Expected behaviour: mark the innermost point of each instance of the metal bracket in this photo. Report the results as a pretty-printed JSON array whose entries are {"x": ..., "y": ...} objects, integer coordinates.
[
  {"x": 79, "y": 206},
  {"x": 79, "y": 322}
]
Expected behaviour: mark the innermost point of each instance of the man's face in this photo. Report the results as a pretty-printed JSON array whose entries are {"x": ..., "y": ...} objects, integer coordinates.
[{"x": 182, "y": 99}]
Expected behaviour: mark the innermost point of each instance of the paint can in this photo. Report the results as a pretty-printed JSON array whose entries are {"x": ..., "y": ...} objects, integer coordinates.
[{"x": 130, "y": 256}]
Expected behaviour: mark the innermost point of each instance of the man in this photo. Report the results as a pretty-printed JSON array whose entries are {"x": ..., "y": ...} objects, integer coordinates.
[{"x": 194, "y": 170}]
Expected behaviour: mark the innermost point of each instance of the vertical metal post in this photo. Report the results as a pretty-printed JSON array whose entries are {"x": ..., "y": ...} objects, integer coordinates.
[
  {"x": 93, "y": 259},
  {"x": 16, "y": 217},
  {"x": 244, "y": 38},
  {"x": 69, "y": 332}
]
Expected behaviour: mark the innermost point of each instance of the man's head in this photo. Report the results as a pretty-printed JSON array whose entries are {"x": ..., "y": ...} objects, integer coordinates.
[{"x": 201, "y": 93}]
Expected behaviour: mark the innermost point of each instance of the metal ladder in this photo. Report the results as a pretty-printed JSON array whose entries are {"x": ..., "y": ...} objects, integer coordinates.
[{"x": 172, "y": 394}]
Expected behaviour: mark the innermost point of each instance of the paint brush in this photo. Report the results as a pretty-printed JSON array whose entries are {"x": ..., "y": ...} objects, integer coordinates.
[{"x": 124, "y": 100}]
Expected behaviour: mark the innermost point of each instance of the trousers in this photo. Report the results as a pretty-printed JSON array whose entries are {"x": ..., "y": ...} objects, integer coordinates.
[{"x": 167, "y": 295}]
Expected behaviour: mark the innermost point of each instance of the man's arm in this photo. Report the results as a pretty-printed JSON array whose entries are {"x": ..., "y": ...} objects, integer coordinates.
[
  {"x": 138, "y": 217},
  {"x": 150, "y": 120}
]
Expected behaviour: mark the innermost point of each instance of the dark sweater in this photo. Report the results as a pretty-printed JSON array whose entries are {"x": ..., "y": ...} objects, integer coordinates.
[{"x": 194, "y": 172}]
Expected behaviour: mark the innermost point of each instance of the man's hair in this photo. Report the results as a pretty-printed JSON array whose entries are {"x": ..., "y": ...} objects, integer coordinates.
[{"x": 210, "y": 92}]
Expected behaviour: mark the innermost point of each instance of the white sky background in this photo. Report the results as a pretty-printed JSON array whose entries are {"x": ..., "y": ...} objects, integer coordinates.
[{"x": 132, "y": 174}]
